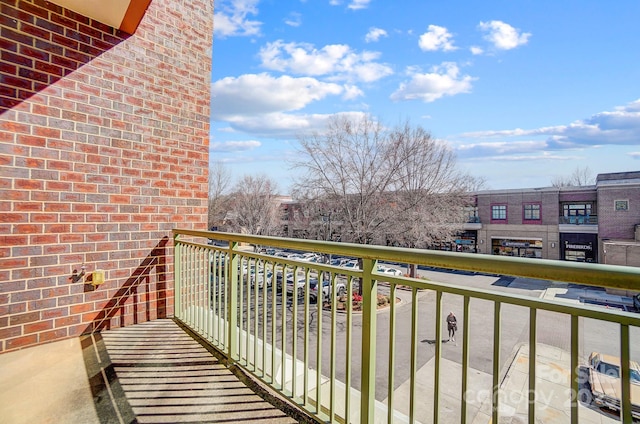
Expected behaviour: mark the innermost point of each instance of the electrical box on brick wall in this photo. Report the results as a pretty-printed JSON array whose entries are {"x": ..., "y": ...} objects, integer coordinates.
[{"x": 97, "y": 277}]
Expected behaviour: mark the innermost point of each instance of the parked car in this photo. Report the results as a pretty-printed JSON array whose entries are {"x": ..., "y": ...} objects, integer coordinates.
[
  {"x": 280, "y": 277},
  {"x": 300, "y": 282},
  {"x": 386, "y": 270},
  {"x": 353, "y": 264},
  {"x": 310, "y": 257},
  {"x": 604, "y": 386},
  {"x": 262, "y": 278},
  {"x": 341, "y": 289}
]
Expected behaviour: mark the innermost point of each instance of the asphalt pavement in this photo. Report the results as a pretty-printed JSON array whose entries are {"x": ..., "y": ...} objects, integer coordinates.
[{"x": 553, "y": 394}]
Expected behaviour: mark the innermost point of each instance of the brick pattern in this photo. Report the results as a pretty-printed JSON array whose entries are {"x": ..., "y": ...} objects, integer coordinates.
[
  {"x": 618, "y": 225},
  {"x": 103, "y": 151},
  {"x": 514, "y": 200}
]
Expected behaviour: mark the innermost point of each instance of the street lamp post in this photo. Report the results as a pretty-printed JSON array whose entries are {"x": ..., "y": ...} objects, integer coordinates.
[{"x": 327, "y": 215}]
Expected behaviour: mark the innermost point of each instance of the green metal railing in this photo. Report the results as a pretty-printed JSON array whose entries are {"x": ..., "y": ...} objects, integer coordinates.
[{"x": 305, "y": 350}]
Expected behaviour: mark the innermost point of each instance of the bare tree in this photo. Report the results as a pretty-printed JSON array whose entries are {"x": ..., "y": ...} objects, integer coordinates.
[
  {"x": 219, "y": 184},
  {"x": 255, "y": 206},
  {"x": 399, "y": 185},
  {"x": 579, "y": 177}
]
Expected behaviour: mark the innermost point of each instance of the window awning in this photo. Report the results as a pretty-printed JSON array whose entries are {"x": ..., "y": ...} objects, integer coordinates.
[{"x": 122, "y": 14}]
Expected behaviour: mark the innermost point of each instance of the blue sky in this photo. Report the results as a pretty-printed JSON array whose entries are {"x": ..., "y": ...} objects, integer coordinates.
[{"x": 523, "y": 91}]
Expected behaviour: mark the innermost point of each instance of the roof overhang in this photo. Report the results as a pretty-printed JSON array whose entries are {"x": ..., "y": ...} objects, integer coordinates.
[{"x": 124, "y": 15}]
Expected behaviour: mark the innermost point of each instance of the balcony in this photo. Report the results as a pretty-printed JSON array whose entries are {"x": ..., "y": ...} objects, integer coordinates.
[
  {"x": 400, "y": 366},
  {"x": 473, "y": 223},
  {"x": 338, "y": 361},
  {"x": 583, "y": 224}
]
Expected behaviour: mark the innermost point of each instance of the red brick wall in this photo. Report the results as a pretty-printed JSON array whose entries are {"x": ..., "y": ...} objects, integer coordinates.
[
  {"x": 103, "y": 150},
  {"x": 613, "y": 224}
]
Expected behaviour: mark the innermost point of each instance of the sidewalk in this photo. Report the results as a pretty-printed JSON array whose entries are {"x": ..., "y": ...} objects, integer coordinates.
[
  {"x": 577, "y": 294},
  {"x": 553, "y": 395}
]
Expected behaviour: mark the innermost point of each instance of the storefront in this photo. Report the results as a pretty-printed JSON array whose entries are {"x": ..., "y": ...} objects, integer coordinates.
[
  {"x": 579, "y": 247},
  {"x": 530, "y": 248},
  {"x": 466, "y": 242}
]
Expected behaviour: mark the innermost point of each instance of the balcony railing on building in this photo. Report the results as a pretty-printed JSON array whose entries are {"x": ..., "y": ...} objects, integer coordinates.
[
  {"x": 266, "y": 313},
  {"x": 579, "y": 220}
]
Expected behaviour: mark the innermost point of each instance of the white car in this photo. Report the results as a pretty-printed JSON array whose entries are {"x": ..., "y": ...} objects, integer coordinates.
[
  {"x": 309, "y": 257},
  {"x": 261, "y": 279},
  {"x": 386, "y": 270},
  {"x": 351, "y": 264}
]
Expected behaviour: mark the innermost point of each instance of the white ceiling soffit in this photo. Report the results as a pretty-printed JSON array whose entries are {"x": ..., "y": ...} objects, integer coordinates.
[{"x": 122, "y": 14}]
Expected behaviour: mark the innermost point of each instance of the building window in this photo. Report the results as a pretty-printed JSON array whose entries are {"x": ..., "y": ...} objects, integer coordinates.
[
  {"x": 577, "y": 209},
  {"x": 622, "y": 205},
  {"x": 499, "y": 212},
  {"x": 531, "y": 212},
  {"x": 472, "y": 214}
]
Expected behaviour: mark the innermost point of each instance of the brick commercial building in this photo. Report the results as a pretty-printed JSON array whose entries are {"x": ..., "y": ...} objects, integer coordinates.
[
  {"x": 104, "y": 133},
  {"x": 599, "y": 223}
]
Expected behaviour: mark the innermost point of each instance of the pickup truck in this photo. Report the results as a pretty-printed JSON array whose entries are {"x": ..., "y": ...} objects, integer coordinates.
[{"x": 605, "y": 386}]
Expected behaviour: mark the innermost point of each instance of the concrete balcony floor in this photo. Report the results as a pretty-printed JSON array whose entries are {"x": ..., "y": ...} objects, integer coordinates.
[{"x": 153, "y": 372}]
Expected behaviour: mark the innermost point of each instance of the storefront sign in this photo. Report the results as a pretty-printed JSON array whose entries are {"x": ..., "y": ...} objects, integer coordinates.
[
  {"x": 515, "y": 244},
  {"x": 464, "y": 241},
  {"x": 578, "y": 246}
]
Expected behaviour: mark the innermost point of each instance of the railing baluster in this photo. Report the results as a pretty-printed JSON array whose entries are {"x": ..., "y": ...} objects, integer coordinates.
[
  {"x": 368, "y": 352},
  {"x": 392, "y": 352},
  {"x": 575, "y": 380},
  {"x": 294, "y": 335},
  {"x": 532, "y": 364},
  {"x": 625, "y": 378},
  {"x": 465, "y": 360},
  {"x": 436, "y": 366},
  {"x": 273, "y": 325},
  {"x": 283, "y": 326},
  {"x": 495, "y": 401},
  {"x": 207, "y": 289},
  {"x": 232, "y": 303},
  {"x": 246, "y": 285},
  {"x": 414, "y": 355},
  {"x": 319, "y": 360},
  {"x": 190, "y": 285},
  {"x": 256, "y": 291},
  {"x": 201, "y": 287},
  {"x": 347, "y": 405},
  {"x": 332, "y": 357},
  {"x": 177, "y": 279},
  {"x": 305, "y": 353}
]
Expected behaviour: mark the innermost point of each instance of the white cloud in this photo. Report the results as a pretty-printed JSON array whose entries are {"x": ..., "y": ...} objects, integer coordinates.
[
  {"x": 374, "y": 34},
  {"x": 336, "y": 61},
  {"x": 358, "y": 4},
  {"x": 500, "y": 148},
  {"x": 475, "y": 50},
  {"x": 443, "y": 80},
  {"x": 231, "y": 18},
  {"x": 620, "y": 127},
  {"x": 353, "y": 5},
  {"x": 351, "y": 92},
  {"x": 234, "y": 146},
  {"x": 436, "y": 38},
  {"x": 294, "y": 19},
  {"x": 256, "y": 94},
  {"x": 503, "y": 36},
  {"x": 285, "y": 125}
]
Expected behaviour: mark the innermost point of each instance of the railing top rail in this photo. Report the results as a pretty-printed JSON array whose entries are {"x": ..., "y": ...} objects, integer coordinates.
[{"x": 599, "y": 275}]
